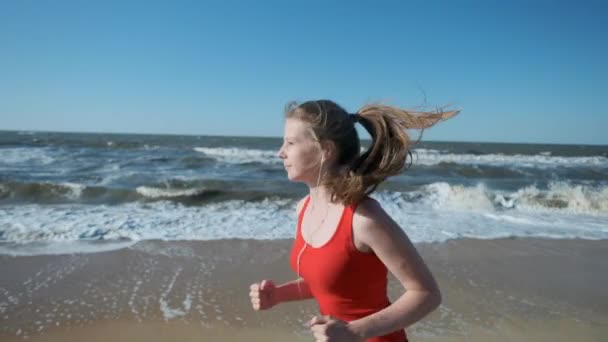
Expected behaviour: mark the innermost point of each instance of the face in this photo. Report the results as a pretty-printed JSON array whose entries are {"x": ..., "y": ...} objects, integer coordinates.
[{"x": 300, "y": 153}]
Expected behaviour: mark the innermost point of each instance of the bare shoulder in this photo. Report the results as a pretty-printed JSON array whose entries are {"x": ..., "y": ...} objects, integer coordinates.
[
  {"x": 370, "y": 222},
  {"x": 375, "y": 231},
  {"x": 370, "y": 214}
]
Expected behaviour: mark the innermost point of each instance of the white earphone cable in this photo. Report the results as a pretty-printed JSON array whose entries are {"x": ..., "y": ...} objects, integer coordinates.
[{"x": 312, "y": 233}]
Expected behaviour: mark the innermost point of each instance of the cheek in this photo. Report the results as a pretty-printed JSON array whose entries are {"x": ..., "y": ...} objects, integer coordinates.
[
  {"x": 304, "y": 160},
  {"x": 302, "y": 156}
]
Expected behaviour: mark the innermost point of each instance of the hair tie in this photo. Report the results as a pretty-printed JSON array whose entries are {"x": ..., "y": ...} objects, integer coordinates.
[{"x": 355, "y": 117}]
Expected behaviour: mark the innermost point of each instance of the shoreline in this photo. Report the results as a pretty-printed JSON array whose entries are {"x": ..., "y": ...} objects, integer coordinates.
[{"x": 503, "y": 290}]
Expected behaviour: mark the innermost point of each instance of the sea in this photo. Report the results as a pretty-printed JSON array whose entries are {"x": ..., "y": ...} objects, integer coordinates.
[{"x": 85, "y": 193}]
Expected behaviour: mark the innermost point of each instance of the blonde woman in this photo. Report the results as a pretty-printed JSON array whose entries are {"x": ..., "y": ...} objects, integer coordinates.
[{"x": 345, "y": 242}]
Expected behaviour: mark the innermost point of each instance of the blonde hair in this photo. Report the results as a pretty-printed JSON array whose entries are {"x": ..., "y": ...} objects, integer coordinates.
[{"x": 360, "y": 174}]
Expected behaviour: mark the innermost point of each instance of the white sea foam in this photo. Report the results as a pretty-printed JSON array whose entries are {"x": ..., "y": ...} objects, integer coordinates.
[
  {"x": 54, "y": 247},
  {"x": 429, "y": 151},
  {"x": 559, "y": 197},
  {"x": 434, "y": 157},
  {"x": 138, "y": 221},
  {"x": 169, "y": 312},
  {"x": 438, "y": 216},
  {"x": 240, "y": 155},
  {"x": 441, "y": 195},
  {"x": 75, "y": 190},
  {"x": 421, "y": 156},
  {"x": 564, "y": 197},
  {"x": 152, "y": 192},
  {"x": 31, "y": 155}
]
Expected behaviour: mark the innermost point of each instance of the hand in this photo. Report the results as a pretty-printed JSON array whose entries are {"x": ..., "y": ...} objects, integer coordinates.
[
  {"x": 263, "y": 295},
  {"x": 328, "y": 329}
]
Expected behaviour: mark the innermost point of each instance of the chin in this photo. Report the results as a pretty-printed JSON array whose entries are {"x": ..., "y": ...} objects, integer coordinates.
[{"x": 294, "y": 178}]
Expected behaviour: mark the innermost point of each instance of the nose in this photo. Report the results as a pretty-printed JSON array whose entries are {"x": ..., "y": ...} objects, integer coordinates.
[{"x": 281, "y": 153}]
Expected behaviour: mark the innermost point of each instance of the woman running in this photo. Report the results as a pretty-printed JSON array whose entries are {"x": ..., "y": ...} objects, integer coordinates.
[{"x": 345, "y": 242}]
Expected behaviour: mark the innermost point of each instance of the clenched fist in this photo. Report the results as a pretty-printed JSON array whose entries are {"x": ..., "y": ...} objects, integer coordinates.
[
  {"x": 263, "y": 295},
  {"x": 329, "y": 329}
]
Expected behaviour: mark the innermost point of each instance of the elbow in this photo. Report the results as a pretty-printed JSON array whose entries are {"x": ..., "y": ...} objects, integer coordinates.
[
  {"x": 435, "y": 299},
  {"x": 439, "y": 298},
  {"x": 432, "y": 298}
]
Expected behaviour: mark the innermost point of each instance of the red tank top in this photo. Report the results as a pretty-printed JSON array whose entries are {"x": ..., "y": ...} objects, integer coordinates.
[{"x": 348, "y": 284}]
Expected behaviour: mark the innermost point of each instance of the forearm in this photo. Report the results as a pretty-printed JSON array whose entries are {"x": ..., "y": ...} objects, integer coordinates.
[
  {"x": 293, "y": 290},
  {"x": 408, "y": 309}
]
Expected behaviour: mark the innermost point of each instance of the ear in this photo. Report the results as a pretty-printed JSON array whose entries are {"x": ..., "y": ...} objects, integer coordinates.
[{"x": 328, "y": 149}]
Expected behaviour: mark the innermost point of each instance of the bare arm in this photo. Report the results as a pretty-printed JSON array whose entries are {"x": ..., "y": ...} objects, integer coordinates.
[
  {"x": 296, "y": 289},
  {"x": 374, "y": 229},
  {"x": 289, "y": 291},
  {"x": 266, "y": 294}
]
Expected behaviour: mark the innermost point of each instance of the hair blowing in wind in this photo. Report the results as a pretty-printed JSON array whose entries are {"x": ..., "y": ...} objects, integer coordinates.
[{"x": 358, "y": 175}]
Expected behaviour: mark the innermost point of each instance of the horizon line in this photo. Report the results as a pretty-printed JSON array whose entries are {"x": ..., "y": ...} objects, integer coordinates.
[{"x": 278, "y": 137}]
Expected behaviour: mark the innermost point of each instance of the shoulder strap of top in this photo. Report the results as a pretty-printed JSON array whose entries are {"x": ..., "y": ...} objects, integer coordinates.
[
  {"x": 301, "y": 215},
  {"x": 347, "y": 225}
]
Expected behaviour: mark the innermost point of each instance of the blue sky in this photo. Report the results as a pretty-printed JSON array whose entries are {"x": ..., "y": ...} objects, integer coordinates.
[{"x": 521, "y": 71}]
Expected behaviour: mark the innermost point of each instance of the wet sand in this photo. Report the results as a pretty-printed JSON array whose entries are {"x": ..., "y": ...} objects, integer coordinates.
[{"x": 493, "y": 290}]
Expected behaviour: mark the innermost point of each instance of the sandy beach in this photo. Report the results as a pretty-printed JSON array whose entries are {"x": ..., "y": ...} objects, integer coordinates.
[{"x": 493, "y": 290}]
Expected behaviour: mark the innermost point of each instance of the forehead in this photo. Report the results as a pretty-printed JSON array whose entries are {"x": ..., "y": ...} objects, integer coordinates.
[{"x": 295, "y": 128}]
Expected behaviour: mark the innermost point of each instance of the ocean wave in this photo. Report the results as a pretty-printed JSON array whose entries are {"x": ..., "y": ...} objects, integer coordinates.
[
  {"x": 563, "y": 196},
  {"x": 434, "y": 157},
  {"x": 138, "y": 221},
  {"x": 42, "y": 229},
  {"x": 26, "y": 155},
  {"x": 421, "y": 156},
  {"x": 190, "y": 192},
  {"x": 152, "y": 192},
  {"x": 41, "y": 192},
  {"x": 236, "y": 155},
  {"x": 558, "y": 197}
]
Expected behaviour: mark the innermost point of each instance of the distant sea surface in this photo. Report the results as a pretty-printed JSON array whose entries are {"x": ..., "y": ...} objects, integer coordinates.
[{"x": 76, "y": 192}]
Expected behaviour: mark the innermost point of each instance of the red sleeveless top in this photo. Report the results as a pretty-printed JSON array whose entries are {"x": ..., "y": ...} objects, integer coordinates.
[{"x": 348, "y": 284}]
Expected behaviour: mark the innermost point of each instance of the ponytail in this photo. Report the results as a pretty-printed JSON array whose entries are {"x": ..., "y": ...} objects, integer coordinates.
[{"x": 388, "y": 152}]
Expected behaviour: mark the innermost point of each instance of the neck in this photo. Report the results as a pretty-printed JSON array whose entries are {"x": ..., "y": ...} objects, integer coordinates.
[{"x": 320, "y": 194}]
